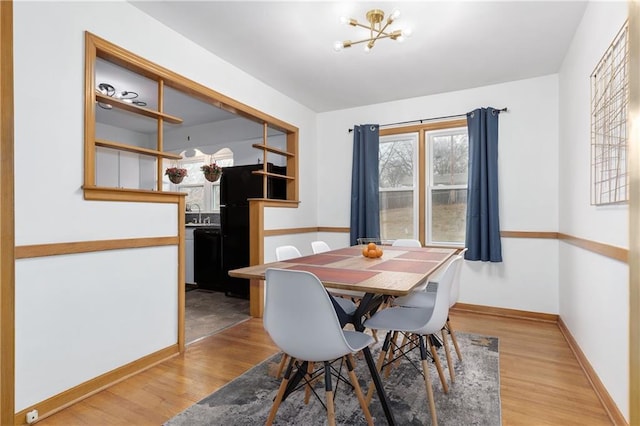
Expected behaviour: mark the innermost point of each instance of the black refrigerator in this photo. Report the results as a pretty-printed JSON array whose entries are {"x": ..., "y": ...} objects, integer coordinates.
[{"x": 237, "y": 185}]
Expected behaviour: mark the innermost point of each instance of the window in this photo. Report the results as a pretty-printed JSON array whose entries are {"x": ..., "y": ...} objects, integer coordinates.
[
  {"x": 448, "y": 158},
  {"x": 423, "y": 182},
  {"x": 202, "y": 195},
  {"x": 398, "y": 195}
]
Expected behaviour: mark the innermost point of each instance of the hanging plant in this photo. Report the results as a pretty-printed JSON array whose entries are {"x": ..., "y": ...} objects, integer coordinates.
[
  {"x": 212, "y": 172},
  {"x": 176, "y": 174}
]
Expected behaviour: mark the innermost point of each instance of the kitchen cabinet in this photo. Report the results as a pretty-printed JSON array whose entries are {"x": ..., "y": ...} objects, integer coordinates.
[{"x": 188, "y": 258}]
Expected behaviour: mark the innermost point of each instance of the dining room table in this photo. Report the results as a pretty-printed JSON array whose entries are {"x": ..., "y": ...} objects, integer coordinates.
[{"x": 396, "y": 273}]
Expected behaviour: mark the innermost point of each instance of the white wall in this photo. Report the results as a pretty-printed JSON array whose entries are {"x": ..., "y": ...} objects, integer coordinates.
[
  {"x": 528, "y": 164},
  {"x": 593, "y": 293},
  {"x": 80, "y": 316}
]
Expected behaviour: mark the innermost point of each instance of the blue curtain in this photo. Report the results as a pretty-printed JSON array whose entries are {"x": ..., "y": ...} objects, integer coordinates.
[
  {"x": 483, "y": 224},
  {"x": 365, "y": 202}
]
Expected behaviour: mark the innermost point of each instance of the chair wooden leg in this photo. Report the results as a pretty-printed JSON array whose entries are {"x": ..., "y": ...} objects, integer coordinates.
[
  {"x": 331, "y": 411},
  {"x": 436, "y": 359},
  {"x": 453, "y": 338},
  {"x": 279, "y": 395},
  {"x": 283, "y": 362},
  {"x": 358, "y": 390},
  {"x": 379, "y": 364},
  {"x": 448, "y": 354},
  {"x": 307, "y": 390},
  {"x": 391, "y": 354},
  {"x": 427, "y": 382}
]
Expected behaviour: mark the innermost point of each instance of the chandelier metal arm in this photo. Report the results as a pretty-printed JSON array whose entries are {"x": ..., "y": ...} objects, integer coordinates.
[
  {"x": 371, "y": 39},
  {"x": 367, "y": 27}
]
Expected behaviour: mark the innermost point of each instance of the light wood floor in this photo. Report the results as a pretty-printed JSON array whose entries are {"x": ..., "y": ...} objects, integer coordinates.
[{"x": 540, "y": 380}]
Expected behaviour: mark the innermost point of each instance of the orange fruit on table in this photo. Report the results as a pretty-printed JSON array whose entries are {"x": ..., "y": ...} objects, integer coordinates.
[
  {"x": 378, "y": 252},
  {"x": 365, "y": 252},
  {"x": 373, "y": 253},
  {"x": 371, "y": 246}
]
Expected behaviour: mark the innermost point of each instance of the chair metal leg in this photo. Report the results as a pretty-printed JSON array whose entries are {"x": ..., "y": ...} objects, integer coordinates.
[
  {"x": 448, "y": 354},
  {"x": 404, "y": 342},
  {"x": 358, "y": 390},
  {"x": 331, "y": 411},
  {"x": 427, "y": 381},
  {"x": 436, "y": 359},
  {"x": 280, "y": 394},
  {"x": 453, "y": 338}
]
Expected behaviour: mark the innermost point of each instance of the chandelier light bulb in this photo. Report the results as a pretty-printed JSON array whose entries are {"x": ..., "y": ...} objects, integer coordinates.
[
  {"x": 407, "y": 32},
  {"x": 395, "y": 14},
  {"x": 338, "y": 46},
  {"x": 344, "y": 20}
]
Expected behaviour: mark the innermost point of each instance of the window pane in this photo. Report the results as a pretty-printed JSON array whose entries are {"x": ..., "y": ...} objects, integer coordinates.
[
  {"x": 195, "y": 198},
  {"x": 215, "y": 196},
  {"x": 450, "y": 159},
  {"x": 194, "y": 174},
  {"x": 448, "y": 215},
  {"x": 396, "y": 214},
  {"x": 396, "y": 163},
  {"x": 397, "y": 186}
]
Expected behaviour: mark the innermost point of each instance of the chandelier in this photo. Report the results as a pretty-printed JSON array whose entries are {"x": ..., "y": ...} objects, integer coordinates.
[
  {"x": 378, "y": 29},
  {"x": 125, "y": 96}
]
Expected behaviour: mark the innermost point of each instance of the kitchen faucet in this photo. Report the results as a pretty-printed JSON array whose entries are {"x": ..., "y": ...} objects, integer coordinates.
[{"x": 199, "y": 220}]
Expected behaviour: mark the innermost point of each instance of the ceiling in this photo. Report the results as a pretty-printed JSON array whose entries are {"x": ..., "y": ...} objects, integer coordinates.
[{"x": 455, "y": 45}]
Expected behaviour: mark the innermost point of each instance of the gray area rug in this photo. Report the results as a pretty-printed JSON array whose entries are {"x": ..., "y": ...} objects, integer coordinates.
[
  {"x": 474, "y": 398},
  {"x": 209, "y": 312}
]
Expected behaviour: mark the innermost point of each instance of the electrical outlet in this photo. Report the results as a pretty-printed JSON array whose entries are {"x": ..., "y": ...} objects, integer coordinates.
[{"x": 32, "y": 416}]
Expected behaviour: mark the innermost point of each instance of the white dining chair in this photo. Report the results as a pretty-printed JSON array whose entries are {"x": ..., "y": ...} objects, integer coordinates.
[
  {"x": 417, "y": 325},
  {"x": 406, "y": 242},
  {"x": 287, "y": 252},
  {"x": 319, "y": 247},
  {"x": 426, "y": 299},
  {"x": 301, "y": 320},
  {"x": 349, "y": 307}
]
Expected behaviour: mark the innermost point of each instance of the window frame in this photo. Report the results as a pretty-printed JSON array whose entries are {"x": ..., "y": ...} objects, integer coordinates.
[
  {"x": 422, "y": 129},
  {"x": 414, "y": 137},
  {"x": 429, "y": 184}
]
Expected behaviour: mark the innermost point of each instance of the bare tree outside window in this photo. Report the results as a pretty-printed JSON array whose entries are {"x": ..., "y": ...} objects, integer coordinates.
[
  {"x": 448, "y": 186},
  {"x": 446, "y": 154},
  {"x": 397, "y": 186}
]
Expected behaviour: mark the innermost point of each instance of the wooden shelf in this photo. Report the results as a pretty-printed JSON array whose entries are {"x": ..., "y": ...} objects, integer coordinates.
[
  {"x": 117, "y": 103},
  {"x": 130, "y": 148},
  {"x": 274, "y": 150},
  {"x": 272, "y": 175}
]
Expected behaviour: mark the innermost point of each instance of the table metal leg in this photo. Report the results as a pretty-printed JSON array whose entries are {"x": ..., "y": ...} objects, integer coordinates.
[{"x": 369, "y": 303}]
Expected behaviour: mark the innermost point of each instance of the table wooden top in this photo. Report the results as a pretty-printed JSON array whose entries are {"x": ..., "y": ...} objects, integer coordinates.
[{"x": 396, "y": 273}]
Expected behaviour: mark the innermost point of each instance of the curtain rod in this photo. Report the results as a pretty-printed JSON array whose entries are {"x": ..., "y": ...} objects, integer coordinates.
[{"x": 431, "y": 119}]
